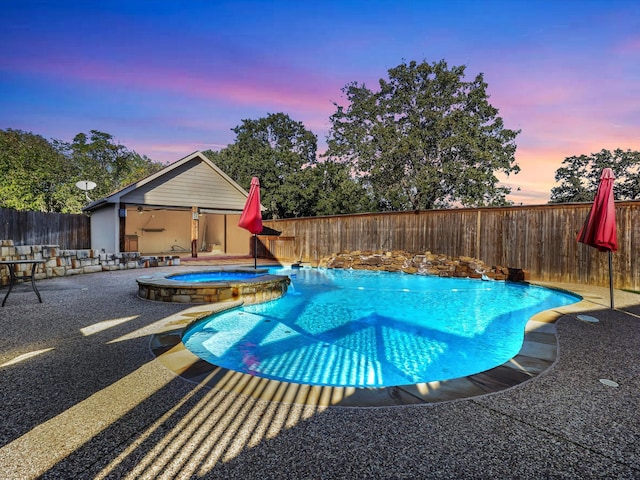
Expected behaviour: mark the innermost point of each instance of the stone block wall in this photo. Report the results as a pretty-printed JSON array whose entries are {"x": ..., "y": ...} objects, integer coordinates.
[
  {"x": 259, "y": 290},
  {"x": 425, "y": 263},
  {"x": 59, "y": 263}
]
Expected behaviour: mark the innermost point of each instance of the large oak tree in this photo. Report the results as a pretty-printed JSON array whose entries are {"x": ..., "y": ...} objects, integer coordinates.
[{"x": 426, "y": 138}]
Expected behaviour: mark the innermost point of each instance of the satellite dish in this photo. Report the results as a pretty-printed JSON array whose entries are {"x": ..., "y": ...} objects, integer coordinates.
[{"x": 86, "y": 185}]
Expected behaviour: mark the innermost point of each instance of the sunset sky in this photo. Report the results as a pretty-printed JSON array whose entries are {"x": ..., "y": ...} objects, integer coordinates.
[{"x": 166, "y": 78}]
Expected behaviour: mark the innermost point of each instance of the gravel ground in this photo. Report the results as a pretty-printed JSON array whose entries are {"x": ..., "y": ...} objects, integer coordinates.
[{"x": 93, "y": 402}]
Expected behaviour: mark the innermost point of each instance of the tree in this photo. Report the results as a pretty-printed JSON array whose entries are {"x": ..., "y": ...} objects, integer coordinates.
[
  {"x": 339, "y": 192},
  {"x": 580, "y": 175},
  {"x": 37, "y": 174},
  {"x": 275, "y": 149},
  {"x": 426, "y": 139},
  {"x": 111, "y": 166},
  {"x": 34, "y": 175},
  {"x": 325, "y": 188},
  {"x": 282, "y": 154}
]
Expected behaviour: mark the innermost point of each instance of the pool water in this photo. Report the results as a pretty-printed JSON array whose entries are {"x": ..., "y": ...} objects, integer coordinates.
[
  {"x": 220, "y": 276},
  {"x": 373, "y": 329}
]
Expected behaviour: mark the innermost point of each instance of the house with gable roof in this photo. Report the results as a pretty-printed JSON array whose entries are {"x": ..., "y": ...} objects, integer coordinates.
[{"x": 189, "y": 206}]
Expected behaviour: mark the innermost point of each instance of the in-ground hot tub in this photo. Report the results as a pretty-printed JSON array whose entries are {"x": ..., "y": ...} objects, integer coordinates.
[{"x": 213, "y": 285}]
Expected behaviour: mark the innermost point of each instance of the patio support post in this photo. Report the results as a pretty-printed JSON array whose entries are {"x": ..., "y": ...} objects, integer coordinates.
[
  {"x": 194, "y": 232},
  {"x": 122, "y": 226}
]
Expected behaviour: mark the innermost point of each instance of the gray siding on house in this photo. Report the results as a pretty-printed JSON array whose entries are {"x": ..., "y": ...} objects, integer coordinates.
[
  {"x": 193, "y": 184},
  {"x": 104, "y": 232}
]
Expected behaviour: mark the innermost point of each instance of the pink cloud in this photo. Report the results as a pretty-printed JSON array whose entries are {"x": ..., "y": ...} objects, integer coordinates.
[
  {"x": 253, "y": 86},
  {"x": 564, "y": 113}
]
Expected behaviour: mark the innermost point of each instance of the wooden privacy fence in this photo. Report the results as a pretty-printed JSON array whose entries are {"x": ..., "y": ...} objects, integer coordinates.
[
  {"x": 268, "y": 244},
  {"x": 70, "y": 232},
  {"x": 538, "y": 239}
]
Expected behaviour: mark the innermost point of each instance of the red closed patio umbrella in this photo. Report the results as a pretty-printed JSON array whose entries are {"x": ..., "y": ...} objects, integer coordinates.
[
  {"x": 251, "y": 218},
  {"x": 599, "y": 229}
]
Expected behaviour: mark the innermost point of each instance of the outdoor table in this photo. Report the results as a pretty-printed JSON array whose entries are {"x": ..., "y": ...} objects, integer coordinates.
[{"x": 12, "y": 274}]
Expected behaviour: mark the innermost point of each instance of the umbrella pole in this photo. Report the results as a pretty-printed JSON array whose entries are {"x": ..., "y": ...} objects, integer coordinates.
[
  {"x": 255, "y": 254},
  {"x": 611, "y": 277}
]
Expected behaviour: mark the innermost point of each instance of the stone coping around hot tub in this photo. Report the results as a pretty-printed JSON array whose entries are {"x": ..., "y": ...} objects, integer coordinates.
[
  {"x": 262, "y": 288},
  {"x": 537, "y": 354}
]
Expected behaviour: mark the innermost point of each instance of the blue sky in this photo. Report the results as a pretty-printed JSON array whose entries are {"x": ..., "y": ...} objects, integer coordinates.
[{"x": 168, "y": 78}]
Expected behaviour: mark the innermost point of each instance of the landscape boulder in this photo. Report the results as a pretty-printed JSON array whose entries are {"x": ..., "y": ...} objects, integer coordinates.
[{"x": 423, "y": 263}]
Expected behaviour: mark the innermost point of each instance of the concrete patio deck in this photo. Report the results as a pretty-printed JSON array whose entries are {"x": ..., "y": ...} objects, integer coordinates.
[{"x": 83, "y": 396}]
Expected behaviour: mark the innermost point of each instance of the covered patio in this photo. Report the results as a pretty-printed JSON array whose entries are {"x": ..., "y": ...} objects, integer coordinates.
[{"x": 189, "y": 206}]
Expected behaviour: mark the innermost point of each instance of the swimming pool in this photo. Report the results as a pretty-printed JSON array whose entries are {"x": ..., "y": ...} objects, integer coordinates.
[{"x": 373, "y": 329}]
